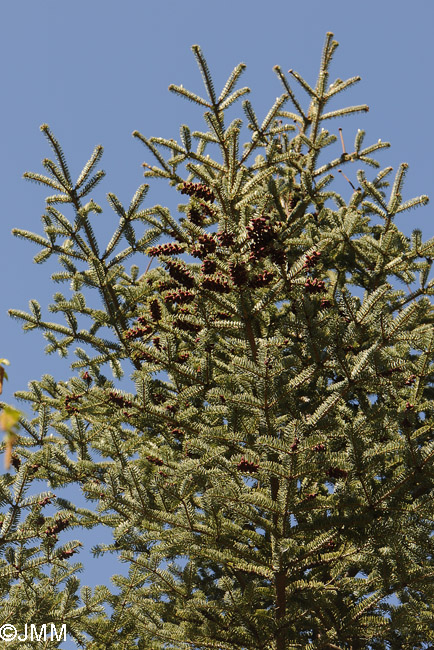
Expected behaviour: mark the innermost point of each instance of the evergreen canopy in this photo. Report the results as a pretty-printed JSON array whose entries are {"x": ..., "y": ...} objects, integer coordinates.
[{"x": 269, "y": 480}]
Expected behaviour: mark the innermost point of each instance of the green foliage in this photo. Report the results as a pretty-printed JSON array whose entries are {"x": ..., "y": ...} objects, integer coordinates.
[{"x": 269, "y": 478}]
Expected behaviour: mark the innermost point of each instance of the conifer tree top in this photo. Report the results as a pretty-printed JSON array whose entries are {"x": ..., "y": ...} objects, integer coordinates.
[{"x": 269, "y": 479}]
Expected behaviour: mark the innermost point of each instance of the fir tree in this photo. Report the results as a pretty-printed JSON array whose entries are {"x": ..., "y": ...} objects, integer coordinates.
[{"x": 269, "y": 480}]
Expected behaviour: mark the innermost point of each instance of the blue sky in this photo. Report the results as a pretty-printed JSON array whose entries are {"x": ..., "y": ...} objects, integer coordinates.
[{"x": 95, "y": 70}]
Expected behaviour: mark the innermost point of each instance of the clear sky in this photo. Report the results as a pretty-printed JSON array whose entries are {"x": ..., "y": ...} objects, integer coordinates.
[{"x": 95, "y": 70}]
